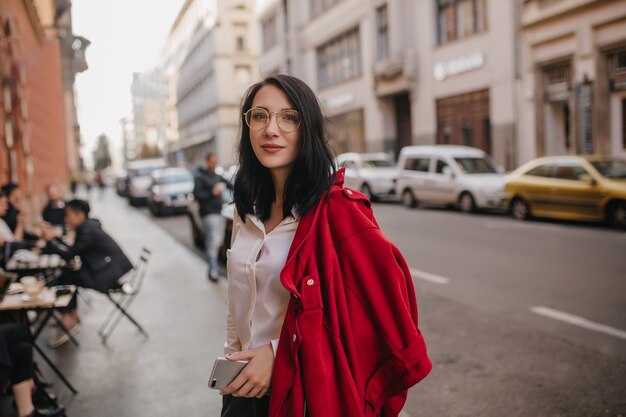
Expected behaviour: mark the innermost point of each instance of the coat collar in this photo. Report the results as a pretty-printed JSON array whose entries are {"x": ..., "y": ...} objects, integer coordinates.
[{"x": 304, "y": 230}]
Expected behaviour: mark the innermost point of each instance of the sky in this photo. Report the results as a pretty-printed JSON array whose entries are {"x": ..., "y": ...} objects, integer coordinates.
[{"x": 126, "y": 36}]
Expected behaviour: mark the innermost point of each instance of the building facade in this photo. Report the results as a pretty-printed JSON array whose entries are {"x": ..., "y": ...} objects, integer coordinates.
[
  {"x": 398, "y": 72},
  {"x": 219, "y": 65},
  {"x": 33, "y": 119},
  {"x": 574, "y": 77},
  {"x": 149, "y": 107}
]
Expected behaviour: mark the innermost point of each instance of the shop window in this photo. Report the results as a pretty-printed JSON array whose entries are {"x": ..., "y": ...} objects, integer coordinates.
[{"x": 458, "y": 19}]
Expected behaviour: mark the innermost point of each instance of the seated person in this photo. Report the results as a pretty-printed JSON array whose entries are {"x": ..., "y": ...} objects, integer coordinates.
[
  {"x": 16, "y": 367},
  {"x": 14, "y": 217},
  {"x": 103, "y": 262},
  {"x": 6, "y": 233},
  {"x": 54, "y": 211}
]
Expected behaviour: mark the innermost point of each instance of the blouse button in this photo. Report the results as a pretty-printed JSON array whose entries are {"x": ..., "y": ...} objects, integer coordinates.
[{"x": 310, "y": 282}]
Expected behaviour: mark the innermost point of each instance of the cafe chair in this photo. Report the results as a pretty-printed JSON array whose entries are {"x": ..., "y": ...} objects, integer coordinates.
[{"x": 122, "y": 297}]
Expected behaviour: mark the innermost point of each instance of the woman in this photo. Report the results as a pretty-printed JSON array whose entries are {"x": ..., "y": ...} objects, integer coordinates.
[
  {"x": 321, "y": 304},
  {"x": 6, "y": 234}
]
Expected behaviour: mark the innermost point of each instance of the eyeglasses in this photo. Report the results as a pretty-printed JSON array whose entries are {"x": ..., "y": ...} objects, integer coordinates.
[{"x": 258, "y": 118}]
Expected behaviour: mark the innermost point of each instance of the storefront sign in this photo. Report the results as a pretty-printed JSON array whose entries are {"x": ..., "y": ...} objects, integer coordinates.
[
  {"x": 338, "y": 101},
  {"x": 443, "y": 70}
]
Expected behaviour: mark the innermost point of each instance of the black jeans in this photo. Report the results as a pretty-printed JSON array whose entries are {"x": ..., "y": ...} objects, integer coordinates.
[
  {"x": 245, "y": 407},
  {"x": 16, "y": 354}
]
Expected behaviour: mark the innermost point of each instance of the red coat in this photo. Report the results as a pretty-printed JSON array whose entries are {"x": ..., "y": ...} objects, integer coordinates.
[{"x": 349, "y": 345}]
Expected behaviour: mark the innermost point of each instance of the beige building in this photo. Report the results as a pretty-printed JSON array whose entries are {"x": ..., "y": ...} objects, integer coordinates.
[
  {"x": 399, "y": 72},
  {"x": 358, "y": 55},
  {"x": 574, "y": 77},
  {"x": 219, "y": 64}
]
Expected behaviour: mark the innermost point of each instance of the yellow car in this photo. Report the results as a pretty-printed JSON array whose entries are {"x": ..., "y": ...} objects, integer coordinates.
[{"x": 589, "y": 188}]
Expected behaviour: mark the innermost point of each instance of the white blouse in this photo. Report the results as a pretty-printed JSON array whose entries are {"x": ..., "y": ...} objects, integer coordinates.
[{"x": 257, "y": 300}]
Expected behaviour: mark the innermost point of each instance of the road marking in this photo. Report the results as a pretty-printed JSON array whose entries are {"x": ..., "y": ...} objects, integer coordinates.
[
  {"x": 427, "y": 276},
  {"x": 579, "y": 321},
  {"x": 525, "y": 226}
]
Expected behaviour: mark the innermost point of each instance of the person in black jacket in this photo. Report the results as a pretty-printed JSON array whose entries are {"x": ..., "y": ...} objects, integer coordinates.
[
  {"x": 208, "y": 190},
  {"x": 54, "y": 211},
  {"x": 103, "y": 261}
]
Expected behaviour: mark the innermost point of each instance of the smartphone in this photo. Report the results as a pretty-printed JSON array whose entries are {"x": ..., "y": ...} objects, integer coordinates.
[{"x": 224, "y": 372}]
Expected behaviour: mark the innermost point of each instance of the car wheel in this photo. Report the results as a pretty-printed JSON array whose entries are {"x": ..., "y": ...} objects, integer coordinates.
[
  {"x": 617, "y": 215},
  {"x": 520, "y": 210},
  {"x": 365, "y": 189},
  {"x": 408, "y": 199},
  {"x": 466, "y": 203}
]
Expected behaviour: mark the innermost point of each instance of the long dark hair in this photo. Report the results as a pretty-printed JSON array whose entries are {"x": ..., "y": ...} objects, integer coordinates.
[{"x": 313, "y": 171}]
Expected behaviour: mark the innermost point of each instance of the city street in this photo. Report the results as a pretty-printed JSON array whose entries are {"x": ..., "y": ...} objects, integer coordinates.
[
  {"x": 492, "y": 294},
  {"x": 497, "y": 299}
]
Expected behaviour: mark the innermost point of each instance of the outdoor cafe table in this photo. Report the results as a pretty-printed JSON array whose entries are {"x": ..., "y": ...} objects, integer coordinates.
[
  {"x": 47, "y": 304},
  {"x": 38, "y": 264}
]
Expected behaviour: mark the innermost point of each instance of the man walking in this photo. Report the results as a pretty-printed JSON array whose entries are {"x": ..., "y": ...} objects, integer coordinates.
[{"x": 208, "y": 190}]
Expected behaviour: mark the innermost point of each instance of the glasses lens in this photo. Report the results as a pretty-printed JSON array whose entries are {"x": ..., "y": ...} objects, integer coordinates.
[
  {"x": 288, "y": 120},
  {"x": 257, "y": 118}
]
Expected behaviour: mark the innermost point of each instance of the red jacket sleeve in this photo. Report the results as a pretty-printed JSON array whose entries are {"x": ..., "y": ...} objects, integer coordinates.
[{"x": 376, "y": 274}]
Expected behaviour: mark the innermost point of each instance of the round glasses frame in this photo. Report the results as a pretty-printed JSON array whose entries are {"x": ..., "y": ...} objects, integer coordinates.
[{"x": 279, "y": 116}]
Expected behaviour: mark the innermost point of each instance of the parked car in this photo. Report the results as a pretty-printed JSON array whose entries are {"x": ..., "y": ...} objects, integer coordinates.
[
  {"x": 228, "y": 211},
  {"x": 170, "y": 191},
  {"x": 121, "y": 185},
  {"x": 140, "y": 179},
  {"x": 374, "y": 174},
  {"x": 571, "y": 188},
  {"x": 449, "y": 175}
]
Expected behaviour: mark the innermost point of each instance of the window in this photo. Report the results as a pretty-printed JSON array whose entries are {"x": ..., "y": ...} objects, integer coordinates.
[
  {"x": 382, "y": 33},
  {"x": 417, "y": 164},
  {"x": 270, "y": 33},
  {"x": 440, "y": 166},
  {"x": 339, "y": 60},
  {"x": 569, "y": 171},
  {"x": 541, "y": 171},
  {"x": 475, "y": 166},
  {"x": 241, "y": 43},
  {"x": 320, "y": 6},
  {"x": 458, "y": 19}
]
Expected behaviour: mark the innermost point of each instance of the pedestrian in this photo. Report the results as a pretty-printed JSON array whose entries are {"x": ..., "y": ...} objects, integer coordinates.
[
  {"x": 6, "y": 234},
  {"x": 208, "y": 188},
  {"x": 13, "y": 193},
  {"x": 104, "y": 264},
  {"x": 320, "y": 303}
]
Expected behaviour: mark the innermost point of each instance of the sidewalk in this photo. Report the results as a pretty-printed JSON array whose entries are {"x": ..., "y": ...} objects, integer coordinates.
[{"x": 184, "y": 314}]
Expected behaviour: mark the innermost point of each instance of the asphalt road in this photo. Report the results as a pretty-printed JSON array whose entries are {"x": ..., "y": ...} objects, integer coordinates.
[{"x": 521, "y": 319}]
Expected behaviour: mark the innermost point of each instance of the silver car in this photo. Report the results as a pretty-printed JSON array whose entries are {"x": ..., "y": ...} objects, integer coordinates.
[
  {"x": 170, "y": 191},
  {"x": 374, "y": 174}
]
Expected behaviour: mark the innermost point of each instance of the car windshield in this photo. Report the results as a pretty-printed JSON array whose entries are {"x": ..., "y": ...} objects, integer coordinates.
[
  {"x": 377, "y": 163},
  {"x": 475, "y": 166},
  {"x": 613, "y": 169},
  {"x": 175, "y": 178}
]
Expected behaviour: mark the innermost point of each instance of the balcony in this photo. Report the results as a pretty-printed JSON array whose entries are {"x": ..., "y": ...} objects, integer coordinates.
[{"x": 395, "y": 74}]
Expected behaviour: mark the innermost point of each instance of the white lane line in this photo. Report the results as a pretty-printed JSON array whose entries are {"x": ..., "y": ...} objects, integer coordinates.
[
  {"x": 427, "y": 276},
  {"x": 526, "y": 226},
  {"x": 578, "y": 321}
]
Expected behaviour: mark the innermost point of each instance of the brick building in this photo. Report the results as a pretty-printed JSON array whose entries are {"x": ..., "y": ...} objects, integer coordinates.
[{"x": 33, "y": 136}]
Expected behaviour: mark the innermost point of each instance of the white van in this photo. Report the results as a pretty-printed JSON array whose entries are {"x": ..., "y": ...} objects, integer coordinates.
[
  {"x": 448, "y": 175},
  {"x": 374, "y": 174}
]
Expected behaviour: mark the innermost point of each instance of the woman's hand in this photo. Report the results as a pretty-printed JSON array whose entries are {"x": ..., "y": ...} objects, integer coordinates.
[{"x": 256, "y": 377}]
